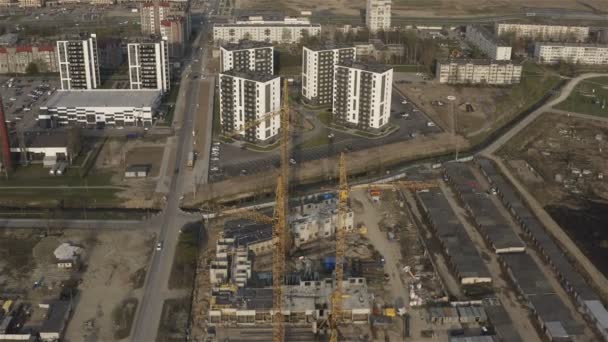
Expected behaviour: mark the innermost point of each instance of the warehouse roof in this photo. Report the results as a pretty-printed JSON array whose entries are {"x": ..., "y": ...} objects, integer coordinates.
[{"x": 103, "y": 98}]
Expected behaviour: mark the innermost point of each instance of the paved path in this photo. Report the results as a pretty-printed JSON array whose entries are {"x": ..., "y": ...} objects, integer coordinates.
[
  {"x": 499, "y": 142},
  {"x": 75, "y": 224},
  {"x": 580, "y": 115}
]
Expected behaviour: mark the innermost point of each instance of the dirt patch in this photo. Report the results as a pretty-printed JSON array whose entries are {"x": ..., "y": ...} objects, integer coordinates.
[
  {"x": 174, "y": 320},
  {"x": 123, "y": 315},
  {"x": 151, "y": 155},
  {"x": 107, "y": 282}
]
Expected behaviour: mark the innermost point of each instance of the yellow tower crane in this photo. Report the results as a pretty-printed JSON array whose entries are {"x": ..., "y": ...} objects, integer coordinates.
[
  {"x": 279, "y": 233},
  {"x": 336, "y": 303}
]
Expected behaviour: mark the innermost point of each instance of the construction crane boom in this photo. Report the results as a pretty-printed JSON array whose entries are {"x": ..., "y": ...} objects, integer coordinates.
[
  {"x": 280, "y": 235},
  {"x": 251, "y": 124},
  {"x": 336, "y": 303}
]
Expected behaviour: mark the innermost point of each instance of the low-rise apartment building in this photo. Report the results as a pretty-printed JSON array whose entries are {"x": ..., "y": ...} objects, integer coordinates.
[
  {"x": 545, "y": 32},
  {"x": 17, "y": 58},
  {"x": 552, "y": 53},
  {"x": 318, "y": 219},
  {"x": 271, "y": 30},
  {"x": 478, "y": 71},
  {"x": 488, "y": 43}
]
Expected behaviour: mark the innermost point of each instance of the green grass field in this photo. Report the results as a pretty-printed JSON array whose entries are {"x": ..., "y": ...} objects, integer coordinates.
[{"x": 589, "y": 97}]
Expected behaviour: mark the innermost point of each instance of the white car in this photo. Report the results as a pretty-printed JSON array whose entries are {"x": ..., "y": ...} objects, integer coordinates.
[
  {"x": 159, "y": 246},
  {"x": 215, "y": 159},
  {"x": 430, "y": 124},
  {"x": 292, "y": 161},
  {"x": 404, "y": 102},
  {"x": 215, "y": 168}
]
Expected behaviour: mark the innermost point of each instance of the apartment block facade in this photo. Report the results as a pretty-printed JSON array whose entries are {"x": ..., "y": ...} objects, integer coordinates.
[
  {"x": 545, "y": 32},
  {"x": 552, "y": 53},
  {"x": 478, "y": 71},
  {"x": 488, "y": 43},
  {"x": 247, "y": 56},
  {"x": 31, "y": 3},
  {"x": 16, "y": 59},
  {"x": 318, "y": 71},
  {"x": 149, "y": 65},
  {"x": 285, "y": 31},
  {"x": 378, "y": 15},
  {"x": 78, "y": 63},
  {"x": 167, "y": 19},
  {"x": 246, "y": 97},
  {"x": 362, "y": 95}
]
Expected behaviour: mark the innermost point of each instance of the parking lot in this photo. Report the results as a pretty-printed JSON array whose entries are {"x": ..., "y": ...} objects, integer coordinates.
[
  {"x": 230, "y": 160},
  {"x": 23, "y": 96}
]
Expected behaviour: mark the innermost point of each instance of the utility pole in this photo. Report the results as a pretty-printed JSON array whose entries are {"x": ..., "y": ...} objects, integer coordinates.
[{"x": 452, "y": 99}]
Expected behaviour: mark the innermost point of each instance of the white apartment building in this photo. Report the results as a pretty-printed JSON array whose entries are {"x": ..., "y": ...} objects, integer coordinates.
[
  {"x": 31, "y": 3},
  {"x": 362, "y": 95},
  {"x": 246, "y": 97},
  {"x": 284, "y": 31},
  {"x": 318, "y": 71},
  {"x": 487, "y": 42},
  {"x": 101, "y": 107},
  {"x": 149, "y": 65},
  {"x": 318, "y": 220},
  {"x": 378, "y": 15},
  {"x": 247, "y": 56},
  {"x": 545, "y": 32},
  {"x": 78, "y": 63},
  {"x": 551, "y": 53},
  {"x": 478, "y": 71}
]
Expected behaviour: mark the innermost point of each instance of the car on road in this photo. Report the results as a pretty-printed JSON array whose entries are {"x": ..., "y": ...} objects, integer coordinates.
[
  {"x": 330, "y": 136},
  {"x": 404, "y": 102},
  {"x": 430, "y": 124},
  {"x": 405, "y": 115},
  {"x": 214, "y": 169},
  {"x": 159, "y": 246},
  {"x": 292, "y": 161}
]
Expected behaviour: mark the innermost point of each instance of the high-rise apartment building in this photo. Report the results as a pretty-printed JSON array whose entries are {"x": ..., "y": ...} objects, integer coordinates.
[
  {"x": 378, "y": 15},
  {"x": 78, "y": 63},
  {"x": 167, "y": 19},
  {"x": 247, "y": 56},
  {"x": 149, "y": 65},
  {"x": 318, "y": 70},
  {"x": 246, "y": 97},
  {"x": 362, "y": 95},
  {"x": 488, "y": 43},
  {"x": 152, "y": 14}
]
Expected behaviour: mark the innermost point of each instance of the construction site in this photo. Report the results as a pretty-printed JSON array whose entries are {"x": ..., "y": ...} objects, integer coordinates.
[{"x": 442, "y": 252}]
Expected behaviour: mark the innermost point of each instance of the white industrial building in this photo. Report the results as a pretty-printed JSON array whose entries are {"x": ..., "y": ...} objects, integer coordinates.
[
  {"x": 378, "y": 15},
  {"x": 78, "y": 63},
  {"x": 149, "y": 65},
  {"x": 247, "y": 56},
  {"x": 488, "y": 43},
  {"x": 478, "y": 71},
  {"x": 287, "y": 30},
  {"x": 246, "y": 97},
  {"x": 318, "y": 220},
  {"x": 101, "y": 107},
  {"x": 362, "y": 95},
  {"x": 545, "y": 32},
  {"x": 318, "y": 70},
  {"x": 551, "y": 53}
]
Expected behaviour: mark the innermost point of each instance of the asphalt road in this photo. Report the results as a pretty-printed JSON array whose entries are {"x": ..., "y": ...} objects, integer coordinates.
[
  {"x": 233, "y": 160},
  {"x": 171, "y": 218}
]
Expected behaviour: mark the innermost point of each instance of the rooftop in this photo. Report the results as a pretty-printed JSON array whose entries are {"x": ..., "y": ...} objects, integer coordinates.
[
  {"x": 602, "y": 46},
  {"x": 9, "y": 39},
  {"x": 246, "y": 232},
  {"x": 329, "y": 46},
  {"x": 245, "y": 45},
  {"x": 480, "y": 61},
  {"x": 250, "y": 75},
  {"x": 373, "y": 67},
  {"x": 39, "y": 139},
  {"x": 103, "y": 98}
]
